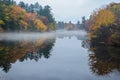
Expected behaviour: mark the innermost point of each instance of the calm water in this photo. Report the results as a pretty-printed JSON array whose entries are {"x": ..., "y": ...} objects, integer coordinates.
[{"x": 58, "y": 55}]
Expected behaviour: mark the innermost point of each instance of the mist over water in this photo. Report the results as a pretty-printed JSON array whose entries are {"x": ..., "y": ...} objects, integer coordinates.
[{"x": 31, "y": 36}]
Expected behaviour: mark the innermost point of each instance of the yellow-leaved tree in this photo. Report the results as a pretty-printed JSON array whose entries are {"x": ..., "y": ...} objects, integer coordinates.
[
  {"x": 1, "y": 23},
  {"x": 40, "y": 26},
  {"x": 102, "y": 18}
]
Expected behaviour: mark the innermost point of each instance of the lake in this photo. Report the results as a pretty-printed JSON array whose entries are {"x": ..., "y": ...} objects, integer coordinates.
[{"x": 60, "y": 55}]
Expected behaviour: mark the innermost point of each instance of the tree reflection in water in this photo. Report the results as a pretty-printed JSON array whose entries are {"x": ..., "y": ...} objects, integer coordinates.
[
  {"x": 34, "y": 49},
  {"x": 11, "y": 51},
  {"x": 103, "y": 59}
]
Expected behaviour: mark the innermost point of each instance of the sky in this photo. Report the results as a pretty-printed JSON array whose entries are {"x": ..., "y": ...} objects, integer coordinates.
[{"x": 71, "y": 10}]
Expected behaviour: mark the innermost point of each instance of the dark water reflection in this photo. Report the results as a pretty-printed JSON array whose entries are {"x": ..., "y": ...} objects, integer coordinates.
[
  {"x": 60, "y": 56},
  {"x": 104, "y": 60}
]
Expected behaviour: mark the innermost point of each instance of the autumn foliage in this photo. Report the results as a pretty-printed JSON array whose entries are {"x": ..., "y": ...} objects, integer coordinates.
[
  {"x": 104, "y": 25},
  {"x": 15, "y": 17},
  {"x": 102, "y": 18}
]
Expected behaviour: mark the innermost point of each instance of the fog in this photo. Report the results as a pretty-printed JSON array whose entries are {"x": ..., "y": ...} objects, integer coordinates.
[{"x": 31, "y": 36}]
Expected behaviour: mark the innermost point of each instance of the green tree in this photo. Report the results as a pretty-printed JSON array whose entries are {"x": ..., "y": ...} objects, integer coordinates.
[
  {"x": 22, "y": 4},
  {"x": 46, "y": 11}
]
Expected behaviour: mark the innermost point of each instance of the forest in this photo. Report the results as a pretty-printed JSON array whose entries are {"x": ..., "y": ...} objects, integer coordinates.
[
  {"x": 25, "y": 17},
  {"x": 103, "y": 26}
]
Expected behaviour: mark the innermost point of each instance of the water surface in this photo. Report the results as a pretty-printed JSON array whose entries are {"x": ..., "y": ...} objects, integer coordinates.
[{"x": 61, "y": 55}]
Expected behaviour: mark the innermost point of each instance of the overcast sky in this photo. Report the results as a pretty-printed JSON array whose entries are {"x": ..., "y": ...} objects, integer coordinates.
[{"x": 71, "y": 10}]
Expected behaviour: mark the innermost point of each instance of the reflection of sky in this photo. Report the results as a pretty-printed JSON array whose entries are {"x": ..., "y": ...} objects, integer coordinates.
[
  {"x": 68, "y": 61},
  {"x": 66, "y": 10}
]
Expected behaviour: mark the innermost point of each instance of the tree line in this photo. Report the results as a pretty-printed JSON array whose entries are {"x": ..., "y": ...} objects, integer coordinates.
[
  {"x": 25, "y": 17},
  {"x": 72, "y": 26}
]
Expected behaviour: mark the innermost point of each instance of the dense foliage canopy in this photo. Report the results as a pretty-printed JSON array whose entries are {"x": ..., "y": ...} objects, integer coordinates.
[
  {"x": 104, "y": 25},
  {"x": 24, "y": 17}
]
